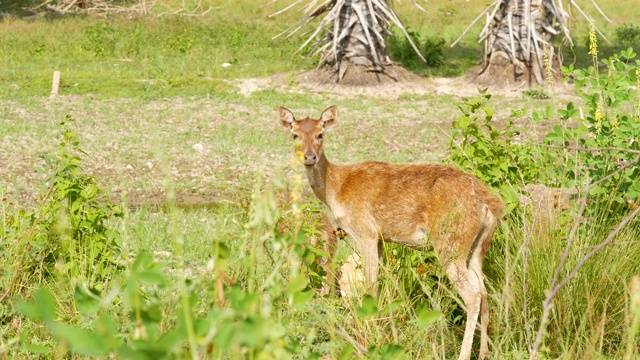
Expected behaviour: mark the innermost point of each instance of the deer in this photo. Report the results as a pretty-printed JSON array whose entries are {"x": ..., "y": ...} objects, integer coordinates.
[{"x": 421, "y": 206}]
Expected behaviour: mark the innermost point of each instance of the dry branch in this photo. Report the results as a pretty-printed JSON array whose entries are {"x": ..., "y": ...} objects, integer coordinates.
[{"x": 63, "y": 7}]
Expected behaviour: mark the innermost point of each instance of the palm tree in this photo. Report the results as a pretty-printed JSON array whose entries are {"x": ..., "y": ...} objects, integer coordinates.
[
  {"x": 518, "y": 38},
  {"x": 351, "y": 33}
]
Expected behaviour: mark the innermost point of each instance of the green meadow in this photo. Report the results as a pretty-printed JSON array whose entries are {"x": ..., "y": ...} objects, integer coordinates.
[{"x": 154, "y": 209}]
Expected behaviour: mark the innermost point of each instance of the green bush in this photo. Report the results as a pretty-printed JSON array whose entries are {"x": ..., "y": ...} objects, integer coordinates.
[
  {"x": 609, "y": 132},
  {"x": 68, "y": 234},
  {"x": 628, "y": 35},
  {"x": 600, "y": 152},
  {"x": 400, "y": 50}
]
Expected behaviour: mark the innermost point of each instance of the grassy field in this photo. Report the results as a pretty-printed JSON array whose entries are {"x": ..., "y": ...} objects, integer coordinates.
[{"x": 200, "y": 173}]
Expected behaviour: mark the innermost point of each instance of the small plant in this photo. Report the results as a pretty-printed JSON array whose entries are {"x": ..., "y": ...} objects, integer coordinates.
[
  {"x": 612, "y": 123},
  {"x": 537, "y": 94},
  {"x": 494, "y": 154},
  {"x": 183, "y": 42},
  {"x": 76, "y": 228},
  {"x": 101, "y": 39}
]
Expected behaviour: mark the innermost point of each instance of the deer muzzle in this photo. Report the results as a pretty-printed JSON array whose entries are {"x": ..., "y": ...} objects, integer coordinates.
[{"x": 310, "y": 159}]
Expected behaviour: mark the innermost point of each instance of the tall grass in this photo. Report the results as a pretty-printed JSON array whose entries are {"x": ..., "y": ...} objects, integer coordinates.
[{"x": 159, "y": 294}]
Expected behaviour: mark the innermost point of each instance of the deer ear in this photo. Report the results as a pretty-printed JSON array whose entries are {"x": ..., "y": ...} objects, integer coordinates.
[
  {"x": 286, "y": 117},
  {"x": 328, "y": 116}
]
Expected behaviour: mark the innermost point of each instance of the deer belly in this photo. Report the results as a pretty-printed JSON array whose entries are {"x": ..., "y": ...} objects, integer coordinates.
[{"x": 418, "y": 240}]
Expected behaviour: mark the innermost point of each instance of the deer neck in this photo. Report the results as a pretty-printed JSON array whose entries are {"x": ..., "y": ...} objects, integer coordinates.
[{"x": 318, "y": 177}]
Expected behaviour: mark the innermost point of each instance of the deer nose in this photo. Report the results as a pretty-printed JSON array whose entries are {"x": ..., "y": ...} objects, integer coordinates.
[{"x": 310, "y": 159}]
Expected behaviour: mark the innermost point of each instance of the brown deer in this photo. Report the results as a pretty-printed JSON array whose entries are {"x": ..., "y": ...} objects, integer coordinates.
[{"x": 419, "y": 206}]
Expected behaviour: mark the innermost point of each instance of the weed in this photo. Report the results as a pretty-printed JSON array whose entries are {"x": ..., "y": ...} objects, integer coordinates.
[
  {"x": 68, "y": 234},
  {"x": 537, "y": 94},
  {"x": 101, "y": 39},
  {"x": 183, "y": 42}
]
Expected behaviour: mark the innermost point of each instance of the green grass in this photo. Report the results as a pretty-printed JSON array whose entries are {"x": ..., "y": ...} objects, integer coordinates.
[
  {"x": 149, "y": 57},
  {"x": 145, "y": 91},
  {"x": 156, "y": 57}
]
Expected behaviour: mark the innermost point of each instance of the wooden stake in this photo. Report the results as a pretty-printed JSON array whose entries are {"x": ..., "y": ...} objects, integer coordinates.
[{"x": 55, "y": 84}]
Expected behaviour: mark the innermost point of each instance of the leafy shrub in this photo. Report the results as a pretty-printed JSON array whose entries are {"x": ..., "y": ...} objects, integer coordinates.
[
  {"x": 612, "y": 124},
  {"x": 68, "y": 234},
  {"x": 183, "y": 42},
  {"x": 496, "y": 155},
  {"x": 77, "y": 229},
  {"x": 400, "y": 50},
  {"x": 628, "y": 35},
  {"x": 605, "y": 140}
]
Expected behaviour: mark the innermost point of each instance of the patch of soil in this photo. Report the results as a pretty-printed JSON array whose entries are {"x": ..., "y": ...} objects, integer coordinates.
[
  {"x": 356, "y": 75},
  {"x": 397, "y": 82},
  {"x": 186, "y": 201},
  {"x": 501, "y": 73}
]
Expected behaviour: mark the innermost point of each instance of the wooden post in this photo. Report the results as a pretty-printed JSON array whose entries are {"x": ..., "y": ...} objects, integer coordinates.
[{"x": 55, "y": 84}]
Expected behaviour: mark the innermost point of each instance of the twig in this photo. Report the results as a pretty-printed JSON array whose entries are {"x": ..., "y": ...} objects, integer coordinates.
[
  {"x": 361, "y": 349},
  {"x": 577, "y": 148},
  {"x": 285, "y": 9},
  {"x": 475, "y": 21},
  {"x": 572, "y": 2},
  {"x": 546, "y": 305},
  {"x": 601, "y": 12}
]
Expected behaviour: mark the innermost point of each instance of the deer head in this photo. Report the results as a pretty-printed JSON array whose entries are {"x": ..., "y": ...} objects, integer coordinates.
[{"x": 308, "y": 132}]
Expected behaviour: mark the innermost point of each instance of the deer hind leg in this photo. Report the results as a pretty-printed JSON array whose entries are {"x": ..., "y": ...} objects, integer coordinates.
[
  {"x": 469, "y": 286},
  {"x": 475, "y": 263},
  {"x": 468, "y": 279},
  {"x": 484, "y": 323},
  {"x": 475, "y": 269}
]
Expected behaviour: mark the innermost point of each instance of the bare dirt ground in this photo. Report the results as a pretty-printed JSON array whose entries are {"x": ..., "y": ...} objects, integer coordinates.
[
  {"x": 207, "y": 150},
  {"x": 311, "y": 82}
]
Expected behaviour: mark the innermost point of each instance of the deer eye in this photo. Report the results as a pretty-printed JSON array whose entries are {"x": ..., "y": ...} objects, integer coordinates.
[
  {"x": 295, "y": 137},
  {"x": 320, "y": 137}
]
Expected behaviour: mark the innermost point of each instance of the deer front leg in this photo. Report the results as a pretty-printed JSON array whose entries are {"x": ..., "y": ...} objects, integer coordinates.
[
  {"x": 370, "y": 250},
  {"x": 329, "y": 245}
]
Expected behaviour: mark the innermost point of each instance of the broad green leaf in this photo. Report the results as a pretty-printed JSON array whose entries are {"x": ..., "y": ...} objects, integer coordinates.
[
  {"x": 369, "y": 307},
  {"x": 42, "y": 309},
  {"x": 38, "y": 349},
  {"x": 81, "y": 341},
  {"x": 86, "y": 300},
  {"x": 296, "y": 284}
]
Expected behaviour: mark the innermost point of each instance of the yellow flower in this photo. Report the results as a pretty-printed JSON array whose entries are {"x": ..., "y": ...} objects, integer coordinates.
[
  {"x": 593, "y": 44},
  {"x": 295, "y": 195},
  {"x": 637, "y": 105},
  {"x": 598, "y": 116}
]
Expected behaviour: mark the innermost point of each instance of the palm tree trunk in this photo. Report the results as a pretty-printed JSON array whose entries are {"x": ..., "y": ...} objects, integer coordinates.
[
  {"x": 350, "y": 34},
  {"x": 519, "y": 41}
]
